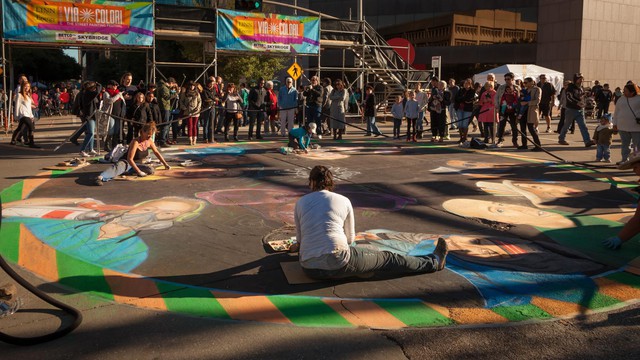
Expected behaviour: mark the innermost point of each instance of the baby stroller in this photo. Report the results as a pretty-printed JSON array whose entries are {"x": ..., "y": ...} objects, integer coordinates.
[{"x": 590, "y": 108}]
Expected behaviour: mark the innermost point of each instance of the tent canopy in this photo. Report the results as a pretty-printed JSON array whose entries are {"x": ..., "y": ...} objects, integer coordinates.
[{"x": 522, "y": 71}]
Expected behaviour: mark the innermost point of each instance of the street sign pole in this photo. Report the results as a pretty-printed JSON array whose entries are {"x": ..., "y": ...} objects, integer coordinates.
[{"x": 436, "y": 62}]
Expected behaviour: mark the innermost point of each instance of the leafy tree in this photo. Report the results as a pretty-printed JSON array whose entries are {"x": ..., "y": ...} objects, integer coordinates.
[
  {"x": 45, "y": 65},
  {"x": 234, "y": 68}
]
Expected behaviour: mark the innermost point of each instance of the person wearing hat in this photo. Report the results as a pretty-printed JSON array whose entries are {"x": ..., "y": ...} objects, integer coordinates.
[
  {"x": 575, "y": 111},
  {"x": 603, "y": 137},
  {"x": 632, "y": 228},
  {"x": 300, "y": 138}
]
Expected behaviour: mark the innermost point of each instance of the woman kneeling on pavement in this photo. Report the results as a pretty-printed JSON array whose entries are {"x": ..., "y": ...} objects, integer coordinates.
[
  {"x": 138, "y": 151},
  {"x": 325, "y": 228}
]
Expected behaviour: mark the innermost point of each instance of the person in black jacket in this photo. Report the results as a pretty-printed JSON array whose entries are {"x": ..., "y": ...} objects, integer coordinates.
[
  {"x": 140, "y": 113},
  {"x": 256, "y": 108},
  {"x": 464, "y": 106},
  {"x": 369, "y": 112},
  {"x": 90, "y": 102},
  {"x": 154, "y": 108}
]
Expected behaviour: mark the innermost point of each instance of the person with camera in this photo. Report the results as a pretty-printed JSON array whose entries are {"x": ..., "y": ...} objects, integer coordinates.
[
  {"x": 626, "y": 121},
  {"x": 314, "y": 95}
]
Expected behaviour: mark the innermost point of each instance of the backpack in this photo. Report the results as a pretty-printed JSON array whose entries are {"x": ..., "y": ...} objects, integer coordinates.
[
  {"x": 76, "y": 108},
  {"x": 116, "y": 154},
  {"x": 477, "y": 144}
]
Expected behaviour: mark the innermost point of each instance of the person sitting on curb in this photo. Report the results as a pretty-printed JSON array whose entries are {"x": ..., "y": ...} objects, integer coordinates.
[
  {"x": 138, "y": 151},
  {"x": 300, "y": 138},
  {"x": 632, "y": 227},
  {"x": 325, "y": 228}
]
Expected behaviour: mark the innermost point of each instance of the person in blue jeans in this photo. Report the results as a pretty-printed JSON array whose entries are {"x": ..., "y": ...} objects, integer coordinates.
[
  {"x": 369, "y": 112},
  {"x": 575, "y": 111},
  {"x": 325, "y": 230},
  {"x": 132, "y": 163}
]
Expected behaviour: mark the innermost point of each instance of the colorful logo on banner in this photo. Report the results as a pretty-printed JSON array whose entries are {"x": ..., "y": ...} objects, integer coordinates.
[
  {"x": 92, "y": 22},
  {"x": 267, "y": 32}
]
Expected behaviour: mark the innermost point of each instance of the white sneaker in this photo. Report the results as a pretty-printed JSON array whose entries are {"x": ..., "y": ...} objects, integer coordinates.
[
  {"x": 93, "y": 152},
  {"x": 84, "y": 154}
]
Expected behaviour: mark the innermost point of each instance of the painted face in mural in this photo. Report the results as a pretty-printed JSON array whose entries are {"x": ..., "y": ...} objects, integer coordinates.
[
  {"x": 477, "y": 247},
  {"x": 537, "y": 193},
  {"x": 151, "y": 215},
  {"x": 507, "y": 213}
]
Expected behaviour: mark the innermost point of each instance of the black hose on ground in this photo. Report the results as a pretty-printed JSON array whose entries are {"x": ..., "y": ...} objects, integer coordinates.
[{"x": 25, "y": 341}]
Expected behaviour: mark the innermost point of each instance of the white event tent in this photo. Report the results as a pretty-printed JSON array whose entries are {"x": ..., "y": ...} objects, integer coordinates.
[{"x": 522, "y": 71}]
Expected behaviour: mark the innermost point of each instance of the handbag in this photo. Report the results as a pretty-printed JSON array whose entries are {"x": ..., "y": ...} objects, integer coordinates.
[
  {"x": 634, "y": 114},
  {"x": 239, "y": 115}
]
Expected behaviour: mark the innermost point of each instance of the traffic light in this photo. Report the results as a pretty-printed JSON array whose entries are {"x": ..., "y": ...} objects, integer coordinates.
[{"x": 249, "y": 5}]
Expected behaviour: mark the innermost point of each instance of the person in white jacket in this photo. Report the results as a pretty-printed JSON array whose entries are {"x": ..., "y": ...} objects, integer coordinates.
[
  {"x": 626, "y": 121},
  {"x": 24, "y": 114}
]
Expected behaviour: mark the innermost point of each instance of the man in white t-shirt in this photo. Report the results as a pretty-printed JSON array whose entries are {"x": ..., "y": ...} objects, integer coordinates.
[{"x": 325, "y": 228}]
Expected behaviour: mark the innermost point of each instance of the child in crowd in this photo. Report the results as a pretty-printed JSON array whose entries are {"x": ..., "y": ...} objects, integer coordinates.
[
  {"x": 524, "y": 96},
  {"x": 411, "y": 112},
  {"x": 397, "y": 111},
  {"x": 487, "y": 115},
  {"x": 603, "y": 137}
]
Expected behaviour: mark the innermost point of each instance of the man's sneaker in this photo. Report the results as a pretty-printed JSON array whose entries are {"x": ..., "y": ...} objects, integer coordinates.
[
  {"x": 548, "y": 130},
  {"x": 598, "y": 160},
  {"x": 84, "y": 154},
  {"x": 98, "y": 181},
  {"x": 606, "y": 160},
  {"x": 589, "y": 144},
  {"x": 93, "y": 153},
  {"x": 563, "y": 142},
  {"x": 441, "y": 252}
]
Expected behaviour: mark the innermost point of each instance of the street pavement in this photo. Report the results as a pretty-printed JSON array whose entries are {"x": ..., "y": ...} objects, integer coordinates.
[{"x": 113, "y": 330}]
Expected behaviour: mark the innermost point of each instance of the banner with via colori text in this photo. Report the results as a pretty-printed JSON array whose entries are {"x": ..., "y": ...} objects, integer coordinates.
[
  {"x": 244, "y": 31},
  {"x": 89, "y": 22}
]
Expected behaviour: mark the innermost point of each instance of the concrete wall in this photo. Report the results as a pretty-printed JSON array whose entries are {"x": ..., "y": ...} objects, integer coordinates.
[
  {"x": 600, "y": 38},
  {"x": 610, "y": 47}
]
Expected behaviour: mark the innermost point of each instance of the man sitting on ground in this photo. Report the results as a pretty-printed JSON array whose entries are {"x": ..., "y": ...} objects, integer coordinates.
[{"x": 325, "y": 228}]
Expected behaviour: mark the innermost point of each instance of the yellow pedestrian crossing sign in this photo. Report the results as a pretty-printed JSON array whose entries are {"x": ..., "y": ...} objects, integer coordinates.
[{"x": 295, "y": 71}]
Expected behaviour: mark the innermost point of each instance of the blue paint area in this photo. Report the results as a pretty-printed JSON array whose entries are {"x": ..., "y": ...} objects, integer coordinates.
[
  {"x": 501, "y": 287},
  {"x": 79, "y": 239},
  {"x": 497, "y": 286},
  {"x": 217, "y": 150}
]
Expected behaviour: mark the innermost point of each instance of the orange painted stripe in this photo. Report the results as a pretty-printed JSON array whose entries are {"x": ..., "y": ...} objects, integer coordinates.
[
  {"x": 37, "y": 256},
  {"x": 558, "y": 308},
  {"x": 134, "y": 290},
  {"x": 364, "y": 313},
  {"x": 250, "y": 307},
  {"x": 617, "y": 290},
  {"x": 475, "y": 316},
  {"x": 28, "y": 185}
]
